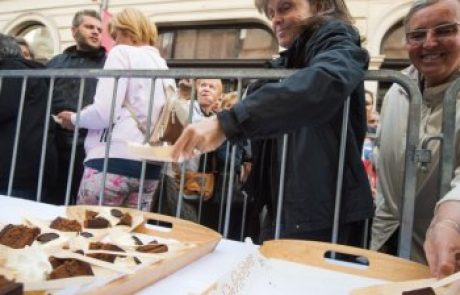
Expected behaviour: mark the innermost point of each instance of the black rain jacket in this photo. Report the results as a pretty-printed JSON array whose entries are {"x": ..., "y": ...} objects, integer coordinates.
[
  {"x": 67, "y": 90},
  {"x": 308, "y": 106}
]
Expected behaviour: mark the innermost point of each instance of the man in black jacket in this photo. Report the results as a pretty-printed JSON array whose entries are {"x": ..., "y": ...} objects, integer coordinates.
[
  {"x": 88, "y": 54},
  {"x": 32, "y": 124},
  {"x": 308, "y": 106}
]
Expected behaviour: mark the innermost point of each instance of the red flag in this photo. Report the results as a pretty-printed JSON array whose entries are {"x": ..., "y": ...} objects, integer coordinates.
[{"x": 106, "y": 39}]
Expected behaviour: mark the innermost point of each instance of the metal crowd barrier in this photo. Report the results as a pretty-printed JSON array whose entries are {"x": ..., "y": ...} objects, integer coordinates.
[{"x": 411, "y": 156}]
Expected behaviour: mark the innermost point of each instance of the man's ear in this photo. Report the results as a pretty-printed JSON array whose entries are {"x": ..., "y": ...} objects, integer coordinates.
[{"x": 74, "y": 31}]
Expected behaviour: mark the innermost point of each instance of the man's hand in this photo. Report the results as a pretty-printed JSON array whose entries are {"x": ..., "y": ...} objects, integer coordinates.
[
  {"x": 442, "y": 242},
  {"x": 201, "y": 137},
  {"x": 66, "y": 122}
]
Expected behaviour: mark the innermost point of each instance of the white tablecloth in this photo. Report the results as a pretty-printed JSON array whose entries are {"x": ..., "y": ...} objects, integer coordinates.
[{"x": 194, "y": 278}]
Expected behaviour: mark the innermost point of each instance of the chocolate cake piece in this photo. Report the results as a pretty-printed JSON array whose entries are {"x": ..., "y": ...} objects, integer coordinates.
[
  {"x": 47, "y": 237},
  {"x": 55, "y": 262},
  {"x": 104, "y": 246},
  {"x": 18, "y": 236},
  {"x": 116, "y": 213},
  {"x": 8, "y": 287},
  {"x": 137, "y": 241},
  {"x": 86, "y": 234},
  {"x": 68, "y": 268},
  {"x": 153, "y": 248},
  {"x": 97, "y": 222},
  {"x": 90, "y": 214},
  {"x": 125, "y": 219},
  {"x": 422, "y": 291},
  {"x": 67, "y": 225}
]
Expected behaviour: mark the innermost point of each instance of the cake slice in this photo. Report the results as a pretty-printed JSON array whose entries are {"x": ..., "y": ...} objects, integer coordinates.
[
  {"x": 67, "y": 268},
  {"x": 18, "y": 236},
  {"x": 8, "y": 287},
  {"x": 66, "y": 225}
]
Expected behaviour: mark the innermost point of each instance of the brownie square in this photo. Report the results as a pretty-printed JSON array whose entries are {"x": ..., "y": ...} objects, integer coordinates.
[
  {"x": 125, "y": 219},
  {"x": 8, "y": 287},
  {"x": 67, "y": 268},
  {"x": 153, "y": 248},
  {"x": 107, "y": 247},
  {"x": 18, "y": 236},
  {"x": 422, "y": 291},
  {"x": 97, "y": 222},
  {"x": 67, "y": 225}
]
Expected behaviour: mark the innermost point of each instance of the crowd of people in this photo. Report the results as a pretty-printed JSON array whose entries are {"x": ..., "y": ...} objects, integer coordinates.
[{"x": 303, "y": 110}]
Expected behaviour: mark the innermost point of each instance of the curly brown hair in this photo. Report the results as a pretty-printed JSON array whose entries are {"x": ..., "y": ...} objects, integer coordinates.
[{"x": 334, "y": 8}]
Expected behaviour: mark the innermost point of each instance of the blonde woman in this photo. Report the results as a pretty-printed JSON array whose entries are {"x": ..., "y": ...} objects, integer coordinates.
[{"x": 135, "y": 38}]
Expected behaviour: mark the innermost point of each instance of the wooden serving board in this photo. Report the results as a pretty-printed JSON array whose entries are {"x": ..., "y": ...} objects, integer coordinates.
[
  {"x": 381, "y": 266},
  {"x": 186, "y": 242},
  {"x": 205, "y": 241},
  {"x": 275, "y": 274}
]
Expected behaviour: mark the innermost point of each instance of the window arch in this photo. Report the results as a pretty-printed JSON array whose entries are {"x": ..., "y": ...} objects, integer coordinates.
[
  {"x": 393, "y": 46},
  {"x": 39, "y": 39},
  {"x": 394, "y": 42},
  {"x": 39, "y": 31}
]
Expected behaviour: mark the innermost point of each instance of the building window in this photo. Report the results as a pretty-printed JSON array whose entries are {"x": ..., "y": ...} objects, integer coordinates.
[
  {"x": 217, "y": 43},
  {"x": 39, "y": 39},
  {"x": 396, "y": 58},
  {"x": 394, "y": 43}
]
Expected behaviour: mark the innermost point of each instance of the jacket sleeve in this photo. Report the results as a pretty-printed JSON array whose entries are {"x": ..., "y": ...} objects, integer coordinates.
[
  {"x": 311, "y": 96},
  {"x": 97, "y": 115}
]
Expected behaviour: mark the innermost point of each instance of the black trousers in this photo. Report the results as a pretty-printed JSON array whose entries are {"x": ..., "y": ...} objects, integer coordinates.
[{"x": 57, "y": 196}]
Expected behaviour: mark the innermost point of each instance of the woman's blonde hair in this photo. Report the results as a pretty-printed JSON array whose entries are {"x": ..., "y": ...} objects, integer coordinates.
[
  {"x": 229, "y": 99},
  {"x": 334, "y": 8},
  {"x": 135, "y": 24}
]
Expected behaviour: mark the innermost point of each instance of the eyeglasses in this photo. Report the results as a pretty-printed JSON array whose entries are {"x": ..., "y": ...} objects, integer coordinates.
[{"x": 419, "y": 36}]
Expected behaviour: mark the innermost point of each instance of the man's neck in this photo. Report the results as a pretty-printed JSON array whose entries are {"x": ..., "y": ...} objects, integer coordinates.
[
  {"x": 184, "y": 94},
  {"x": 207, "y": 110},
  {"x": 86, "y": 48}
]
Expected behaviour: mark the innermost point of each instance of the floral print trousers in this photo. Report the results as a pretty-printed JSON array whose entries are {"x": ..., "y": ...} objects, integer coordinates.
[{"x": 119, "y": 191}]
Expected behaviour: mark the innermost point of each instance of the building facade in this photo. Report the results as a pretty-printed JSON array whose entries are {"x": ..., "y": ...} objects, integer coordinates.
[{"x": 205, "y": 32}]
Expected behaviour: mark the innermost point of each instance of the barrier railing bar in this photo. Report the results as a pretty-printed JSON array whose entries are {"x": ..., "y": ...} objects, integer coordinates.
[
  {"x": 109, "y": 141},
  {"x": 148, "y": 128},
  {"x": 232, "y": 172},
  {"x": 243, "y": 219},
  {"x": 180, "y": 197},
  {"x": 228, "y": 207},
  {"x": 446, "y": 153},
  {"x": 161, "y": 188},
  {"x": 44, "y": 142},
  {"x": 338, "y": 189},
  {"x": 410, "y": 180},
  {"x": 200, "y": 202},
  {"x": 279, "y": 207},
  {"x": 171, "y": 73},
  {"x": 224, "y": 184},
  {"x": 16, "y": 136},
  {"x": 74, "y": 142}
]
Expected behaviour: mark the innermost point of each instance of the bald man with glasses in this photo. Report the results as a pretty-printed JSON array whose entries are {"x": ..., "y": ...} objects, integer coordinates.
[{"x": 433, "y": 44}]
